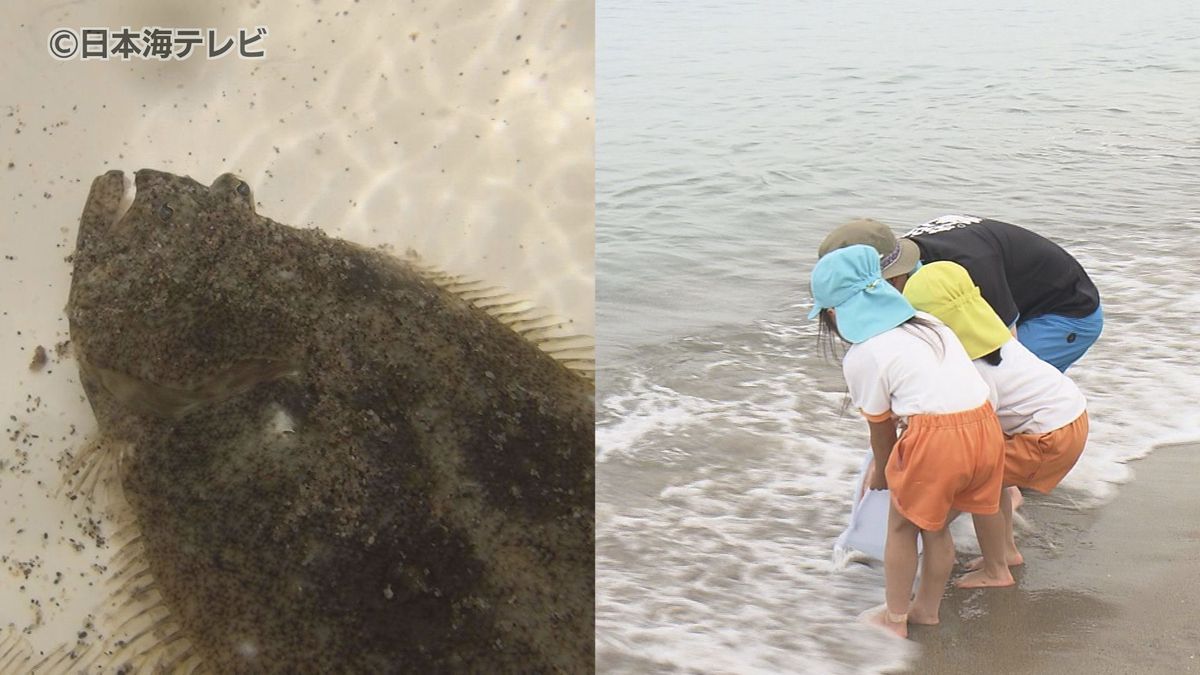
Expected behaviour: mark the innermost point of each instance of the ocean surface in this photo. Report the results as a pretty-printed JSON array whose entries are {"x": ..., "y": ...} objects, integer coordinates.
[{"x": 731, "y": 136}]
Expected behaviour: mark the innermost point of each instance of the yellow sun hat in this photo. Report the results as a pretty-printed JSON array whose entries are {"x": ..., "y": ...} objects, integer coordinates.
[{"x": 945, "y": 290}]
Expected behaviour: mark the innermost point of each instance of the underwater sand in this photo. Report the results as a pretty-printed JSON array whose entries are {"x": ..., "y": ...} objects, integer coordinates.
[{"x": 462, "y": 132}]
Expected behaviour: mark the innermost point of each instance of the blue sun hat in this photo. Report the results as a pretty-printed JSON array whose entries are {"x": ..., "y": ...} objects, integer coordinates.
[{"x": 848, "y": 280}]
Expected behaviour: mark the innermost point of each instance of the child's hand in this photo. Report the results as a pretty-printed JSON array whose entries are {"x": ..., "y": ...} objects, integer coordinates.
[{"x": 877, "y": 480}]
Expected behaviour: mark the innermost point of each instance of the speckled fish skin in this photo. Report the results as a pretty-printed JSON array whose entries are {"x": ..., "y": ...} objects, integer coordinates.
[{"x": 336, "y": 466}]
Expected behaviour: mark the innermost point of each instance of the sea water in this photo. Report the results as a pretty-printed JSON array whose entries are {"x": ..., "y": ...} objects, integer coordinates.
[
  {"x": 731, "y": 137},
  {"x": 460, "y": 131}
]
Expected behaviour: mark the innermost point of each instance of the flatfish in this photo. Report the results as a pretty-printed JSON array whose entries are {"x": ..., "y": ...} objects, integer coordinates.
[{"x": 337, "y": 460}]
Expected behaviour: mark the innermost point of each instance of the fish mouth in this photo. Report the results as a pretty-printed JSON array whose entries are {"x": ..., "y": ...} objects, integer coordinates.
[
  {"x": 126, "y": 197},
  {"x": 109, "y": 201}
]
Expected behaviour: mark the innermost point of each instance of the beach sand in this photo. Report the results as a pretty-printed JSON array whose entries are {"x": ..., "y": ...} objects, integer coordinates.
[{"x": 1107, "y": 590}]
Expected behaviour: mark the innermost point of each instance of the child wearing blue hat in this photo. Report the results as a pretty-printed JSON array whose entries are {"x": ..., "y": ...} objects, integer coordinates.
[{"x": 906, "y": 370}]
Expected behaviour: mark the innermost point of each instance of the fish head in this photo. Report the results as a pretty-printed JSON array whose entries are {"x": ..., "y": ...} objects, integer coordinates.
[
  {"x": 162, "y": 307},
  {"x": 164, "y": 201},
  {"x": 159, "y": 209}
]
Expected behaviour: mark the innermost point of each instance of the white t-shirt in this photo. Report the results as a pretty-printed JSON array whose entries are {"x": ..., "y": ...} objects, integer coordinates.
[
  {"x": 1032, "y": 396},
  {"x": 897, "y": 374}
]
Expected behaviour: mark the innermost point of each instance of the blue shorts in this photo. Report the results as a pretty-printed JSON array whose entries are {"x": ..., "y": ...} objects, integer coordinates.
[{"x": 1060, "y": 340}]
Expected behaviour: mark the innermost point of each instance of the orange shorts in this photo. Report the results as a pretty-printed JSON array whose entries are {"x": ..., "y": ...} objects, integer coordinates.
[
  {"x": 944, "y": 462},
  {"x": 1040, "y": 461}
]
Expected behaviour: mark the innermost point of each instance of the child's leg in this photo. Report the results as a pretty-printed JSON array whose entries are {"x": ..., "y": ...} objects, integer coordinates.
[
  {"x": 1015, "y": 496},
  {"x": 899, "y": 571},
  {"x": 935, "y": 572},
  {"x": 990, "y": 530},
  {"x": 1012, "y": 554}
]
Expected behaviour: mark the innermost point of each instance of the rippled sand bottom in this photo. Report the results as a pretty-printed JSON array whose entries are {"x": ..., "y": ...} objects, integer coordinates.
[{"x": 459, "y": 131}]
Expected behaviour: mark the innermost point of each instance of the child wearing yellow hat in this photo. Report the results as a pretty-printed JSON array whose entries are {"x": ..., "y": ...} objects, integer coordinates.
[
  {"x": 1042, "y": 412},
  {"x": 908, "y": 369}
]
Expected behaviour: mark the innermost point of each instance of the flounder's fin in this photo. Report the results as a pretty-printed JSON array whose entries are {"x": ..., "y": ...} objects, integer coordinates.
[
  {"x": 164, "y": 401},
  {"x": 551, "y": 334},
  {"x": 16, "y": 655},
  {"x": 96, "y": 464},
  {"x": 133, "y": 631}
]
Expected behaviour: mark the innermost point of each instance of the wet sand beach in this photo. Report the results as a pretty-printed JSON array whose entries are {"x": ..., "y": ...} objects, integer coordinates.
[{"x": 1107, "y": 590}]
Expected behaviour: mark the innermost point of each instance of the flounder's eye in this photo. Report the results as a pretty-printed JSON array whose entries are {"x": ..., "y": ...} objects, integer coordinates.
[
  {"x": 243, "y": 189},
  {"x": 165, "y": 212}
]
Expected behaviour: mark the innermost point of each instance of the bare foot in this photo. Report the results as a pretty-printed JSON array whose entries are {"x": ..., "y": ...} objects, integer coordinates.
[
  {"x": 918, "y": 616},
  {"x": 982, "y": 578},
  {"x": 1014, "y": 559},
  {"x": 1017, "y": 498},
  {"x": 895, "y": 624}
]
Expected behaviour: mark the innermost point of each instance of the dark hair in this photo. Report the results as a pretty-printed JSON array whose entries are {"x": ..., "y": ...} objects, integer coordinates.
[
  {"x": 993, "y": 357},
  {"x": 829, "y": 337},
  {"x": 832, "y": 342},
  {"x": 924, "y": 329}
]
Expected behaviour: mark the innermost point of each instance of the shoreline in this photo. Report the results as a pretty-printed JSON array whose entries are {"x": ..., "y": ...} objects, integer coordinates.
[{"x": 1105, "y": 590}]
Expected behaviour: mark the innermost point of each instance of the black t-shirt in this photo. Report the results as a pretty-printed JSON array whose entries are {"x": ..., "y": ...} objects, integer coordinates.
[{"x": 1017, "y": 271}]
